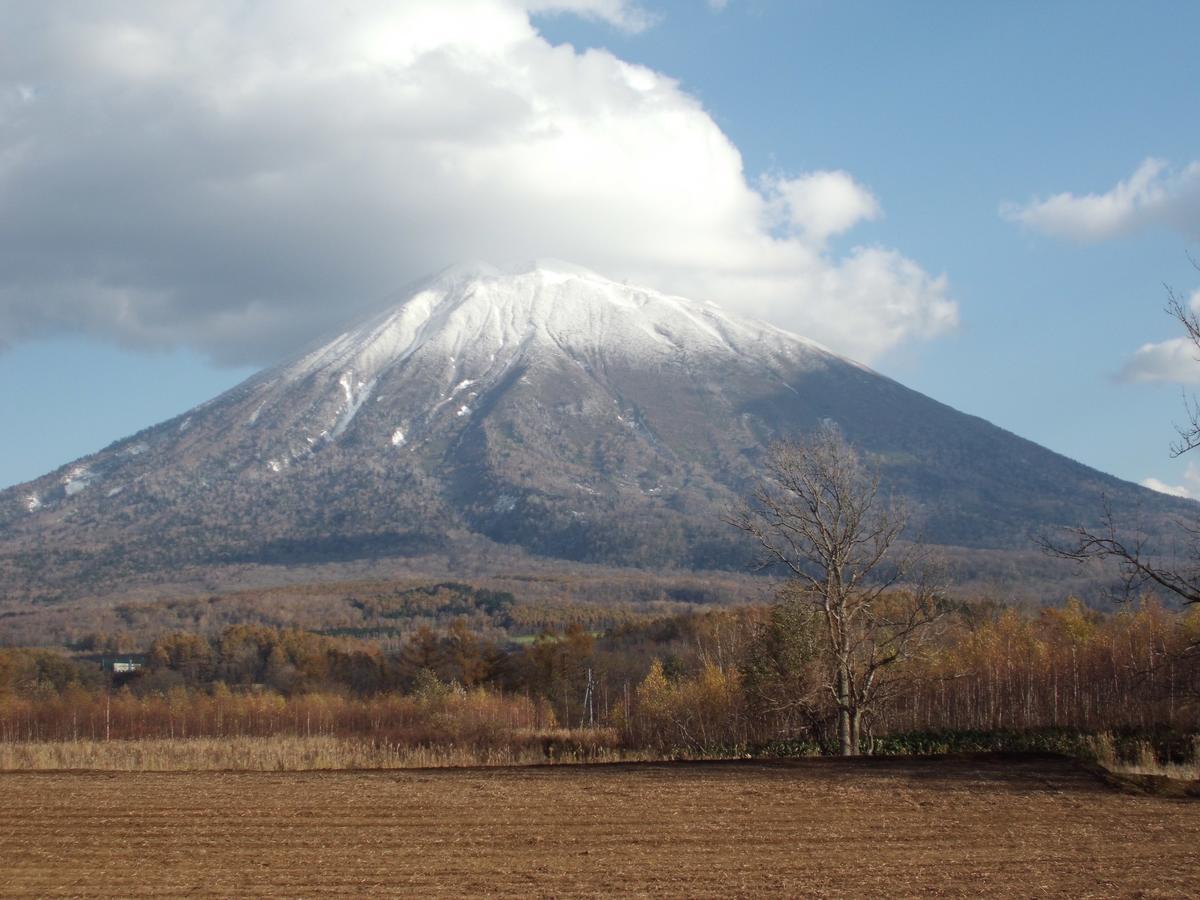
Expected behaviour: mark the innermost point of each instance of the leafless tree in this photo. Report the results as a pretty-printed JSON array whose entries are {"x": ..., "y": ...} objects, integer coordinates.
[
  {"x": 818, "y": 514},
  {"x": 1178, "y": 574}
]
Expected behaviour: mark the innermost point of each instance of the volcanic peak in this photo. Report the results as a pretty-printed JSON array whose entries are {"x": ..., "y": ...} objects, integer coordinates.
[{"x": 480, "y": 312}]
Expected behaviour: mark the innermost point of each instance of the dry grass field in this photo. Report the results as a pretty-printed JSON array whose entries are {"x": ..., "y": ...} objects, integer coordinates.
[{"x": 879, "y": 827}]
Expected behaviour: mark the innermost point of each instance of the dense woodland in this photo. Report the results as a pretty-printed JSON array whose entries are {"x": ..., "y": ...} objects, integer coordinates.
[{"x": 703, "y": 680}]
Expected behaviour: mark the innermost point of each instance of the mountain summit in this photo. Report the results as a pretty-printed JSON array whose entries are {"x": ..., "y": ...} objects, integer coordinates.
[
  {"x": 440, "y": 354},
  {"x": 544, "y": 407}
]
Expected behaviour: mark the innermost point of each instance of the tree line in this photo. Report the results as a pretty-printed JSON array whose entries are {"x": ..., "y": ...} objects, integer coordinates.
[{"x": 695, "y": 682}]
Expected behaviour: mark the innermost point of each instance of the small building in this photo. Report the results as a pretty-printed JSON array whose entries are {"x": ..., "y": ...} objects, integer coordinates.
[{"x": 122, "y": 665}]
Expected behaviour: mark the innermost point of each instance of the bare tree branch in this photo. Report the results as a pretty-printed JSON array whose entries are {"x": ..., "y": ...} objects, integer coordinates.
[
  {"x": 1126, "y": 547},
  {"x": 1189, "y": 318}
]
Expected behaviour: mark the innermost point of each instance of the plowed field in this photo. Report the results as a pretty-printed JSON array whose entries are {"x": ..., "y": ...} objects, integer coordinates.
[{"x": 884, "y": 828}]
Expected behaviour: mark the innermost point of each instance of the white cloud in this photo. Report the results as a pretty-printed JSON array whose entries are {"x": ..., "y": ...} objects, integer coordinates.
[
  {"x": 1176, "y": 360},
  {"x": 1155, "y": 195},
  {"x": 821, "y": 204},
  {"x": 1190, "y": 488},
  {"x": 622, "y": 13},
  {"x": 243, "y": 177},
  {"x": 717, "y": 5},
  {"x": 1176, "y": 490}
]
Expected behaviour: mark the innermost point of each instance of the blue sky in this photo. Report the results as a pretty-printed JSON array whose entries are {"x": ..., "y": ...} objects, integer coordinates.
[{"x": 941, "y": 114}]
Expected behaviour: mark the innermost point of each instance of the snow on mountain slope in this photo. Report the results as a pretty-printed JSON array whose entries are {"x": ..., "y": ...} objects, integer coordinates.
[
  {"x": 468, "y": 326},
  {"x": 476, "y": 311}
]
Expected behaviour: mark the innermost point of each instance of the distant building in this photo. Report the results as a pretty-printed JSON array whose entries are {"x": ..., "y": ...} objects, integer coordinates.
[{"x": 122, "y": 665}]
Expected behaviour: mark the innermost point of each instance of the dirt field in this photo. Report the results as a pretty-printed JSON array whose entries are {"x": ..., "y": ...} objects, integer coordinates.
[{"x": 884, "y": 828}]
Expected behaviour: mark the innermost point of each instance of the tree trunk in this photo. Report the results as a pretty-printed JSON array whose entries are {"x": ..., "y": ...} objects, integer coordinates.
[{"x": 845, "y": 737}]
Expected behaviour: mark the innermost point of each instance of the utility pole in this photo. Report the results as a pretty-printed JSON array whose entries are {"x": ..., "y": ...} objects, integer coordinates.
[{"x": 589, "y": 707}]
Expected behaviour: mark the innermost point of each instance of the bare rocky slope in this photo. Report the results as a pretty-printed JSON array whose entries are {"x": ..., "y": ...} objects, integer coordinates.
[{"x": 545, "y": 408}]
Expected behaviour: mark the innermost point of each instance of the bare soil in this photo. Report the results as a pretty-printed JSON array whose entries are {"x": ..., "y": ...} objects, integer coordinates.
[{"x": 948, "y": 827}]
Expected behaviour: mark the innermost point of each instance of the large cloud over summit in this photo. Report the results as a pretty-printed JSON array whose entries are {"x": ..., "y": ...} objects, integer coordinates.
[{"x": 240, "y": 177}]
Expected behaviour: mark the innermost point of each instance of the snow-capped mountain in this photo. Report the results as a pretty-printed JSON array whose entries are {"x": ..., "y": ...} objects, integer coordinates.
[
  {"x": 429, "y": 361},
  {"x": 542, "y": 406}
]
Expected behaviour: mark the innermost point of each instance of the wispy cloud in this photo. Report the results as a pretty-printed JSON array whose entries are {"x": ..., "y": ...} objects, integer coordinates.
[
  {"x": 242, "y": 177},
  {"x": 1154, "y": 195}
]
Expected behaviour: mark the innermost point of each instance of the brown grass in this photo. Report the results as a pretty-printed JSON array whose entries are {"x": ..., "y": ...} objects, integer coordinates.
[
  {"x": 1143, "y": 760},
  {"x": 285, "y": 753}
]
